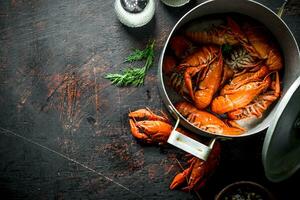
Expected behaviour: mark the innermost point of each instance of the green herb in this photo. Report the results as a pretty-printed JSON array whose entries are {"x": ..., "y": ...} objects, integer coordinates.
[
  {"x": 137, "y": 54},
  {"x": 130, "y": 76},
  {"x": 226, "y": 49},
  {"x": 134, "y": 76}
]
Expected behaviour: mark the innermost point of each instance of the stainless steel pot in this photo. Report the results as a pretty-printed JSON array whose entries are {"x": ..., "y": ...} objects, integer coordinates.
[{"x": 291, "y": 69}]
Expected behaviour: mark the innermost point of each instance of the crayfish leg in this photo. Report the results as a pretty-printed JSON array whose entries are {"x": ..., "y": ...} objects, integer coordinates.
[
  {"x": 234, "y": 124},
  {"x": 276, "y": 85}
]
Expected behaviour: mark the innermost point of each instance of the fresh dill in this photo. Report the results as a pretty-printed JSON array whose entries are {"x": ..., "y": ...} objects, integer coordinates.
[
  {"x": 134, "y": 75},
  {"x": 226, "y": 49},
  {"x": 131, "y": 76}
]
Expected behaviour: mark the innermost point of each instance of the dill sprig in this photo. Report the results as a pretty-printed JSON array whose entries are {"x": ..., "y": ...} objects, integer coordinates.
[
  {"x": 226, "y": 49},
  {"x": 136, "y": 55},
  {"x": 134, "y": 75},
  {"x": 131, "y": 76}
]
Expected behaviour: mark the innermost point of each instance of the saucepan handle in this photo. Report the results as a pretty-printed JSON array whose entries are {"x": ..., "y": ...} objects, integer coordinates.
[{"x": 188, "y": 144}]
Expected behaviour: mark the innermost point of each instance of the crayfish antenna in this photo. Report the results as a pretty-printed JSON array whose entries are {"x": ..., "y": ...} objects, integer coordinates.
[
  {"x": 147, "y": 108},
  {"x": 187, "y": 99},
  {"x": 179, "y": 164},
  {"x": 164, "y": 115},
  {"x": 234, "y": 124},
  {"x": 133, "y": 118},
  {"x": 129, "y": 111}
]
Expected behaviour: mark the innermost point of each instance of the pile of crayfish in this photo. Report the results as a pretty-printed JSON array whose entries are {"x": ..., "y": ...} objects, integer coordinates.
[
  {"x": 151, "y": 128},
  {"x": 229, "y": 73}
]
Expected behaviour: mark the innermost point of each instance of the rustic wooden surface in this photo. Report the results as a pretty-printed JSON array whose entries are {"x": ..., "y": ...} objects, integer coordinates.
[{"x": 53, "y": 56}]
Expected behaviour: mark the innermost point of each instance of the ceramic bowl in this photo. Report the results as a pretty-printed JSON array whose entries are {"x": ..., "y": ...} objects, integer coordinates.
[{"x": 244, "y": 190}]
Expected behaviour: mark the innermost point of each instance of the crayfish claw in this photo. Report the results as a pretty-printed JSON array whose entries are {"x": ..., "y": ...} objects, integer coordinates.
[
  {"x": 135, "y": 131},
  {"x": 148, "y": 127}
]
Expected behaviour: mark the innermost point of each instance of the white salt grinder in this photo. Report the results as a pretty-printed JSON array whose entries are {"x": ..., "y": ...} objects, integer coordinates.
[{"x": 135, "y": 13}]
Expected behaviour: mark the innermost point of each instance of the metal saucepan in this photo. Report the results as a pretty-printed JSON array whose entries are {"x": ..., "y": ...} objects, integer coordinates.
[{"x": 291, "y": 71}]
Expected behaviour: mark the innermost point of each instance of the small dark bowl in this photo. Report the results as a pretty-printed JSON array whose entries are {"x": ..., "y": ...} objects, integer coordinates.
[{"x": 244, "y": 190}]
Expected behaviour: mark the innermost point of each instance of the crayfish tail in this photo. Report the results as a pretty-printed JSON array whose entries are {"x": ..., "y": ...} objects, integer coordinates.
[{"x": 180, "y": 178}]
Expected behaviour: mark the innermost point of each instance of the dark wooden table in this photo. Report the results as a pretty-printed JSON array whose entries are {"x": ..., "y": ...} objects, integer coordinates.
[{"x": 64, "y": 128}]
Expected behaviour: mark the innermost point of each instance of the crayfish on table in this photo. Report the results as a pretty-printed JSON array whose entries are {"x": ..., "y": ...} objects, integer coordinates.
[
  {"x": 150, "y": 128},
  {"x": 199, "y": 171},
  {"x": 153, "y": 128}
]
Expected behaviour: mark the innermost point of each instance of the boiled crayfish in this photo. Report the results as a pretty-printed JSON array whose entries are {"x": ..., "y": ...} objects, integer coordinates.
[
  {"x": 259, "y": 104},
  {"x": 203, "y": 63},
  {"x": 228, "y": 73},
  {"x": 239, "y": 97},
  {"x": 209, "y": 85},
  {"x": 181, "y": 46},
  {"x": 175, "y": 76},
  {"x": 198, "y": 64},
  {"x": 256, "y": 40},
  {"x": 151, "y": 128},
  {"x": 169, "y": 64},
  {"x": 196, "y": 175},
  {"x": 243, "y": 79},
  {"x": 218, "y": 35},
  {"x": 201, "y": 58},
  {"x": 207, "y": 121}
]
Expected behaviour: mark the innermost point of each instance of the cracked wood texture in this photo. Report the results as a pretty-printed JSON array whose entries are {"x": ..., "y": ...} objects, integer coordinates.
[{"x": 53, "y": 56}]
